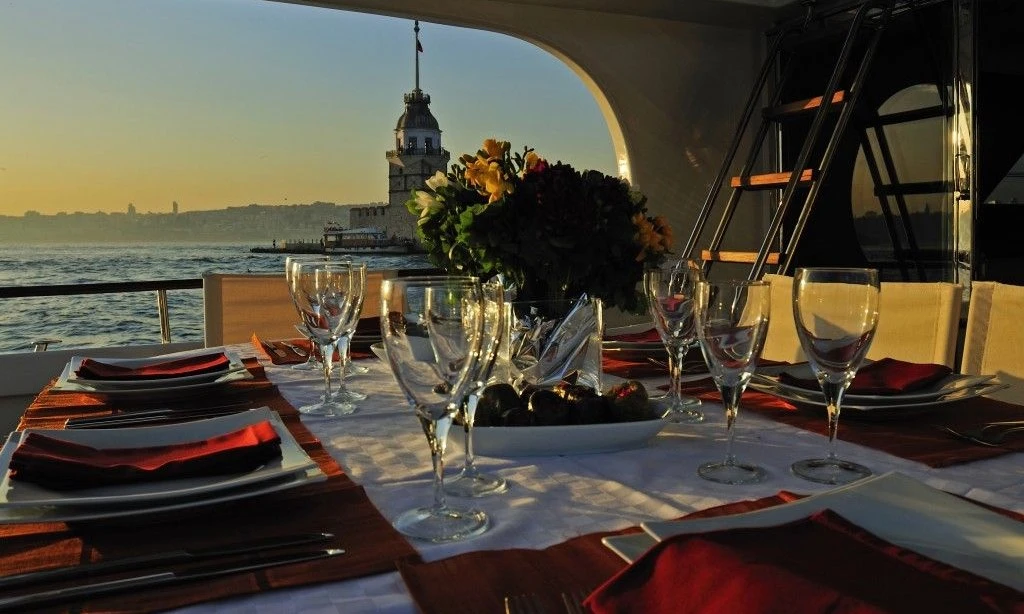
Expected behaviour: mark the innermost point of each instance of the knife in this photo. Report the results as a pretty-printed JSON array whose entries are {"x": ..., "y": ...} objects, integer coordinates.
[
  {"x": 148, "y": 416},
  {"x": 170, "y": 557},
  {"x": 107, "y": 587}
]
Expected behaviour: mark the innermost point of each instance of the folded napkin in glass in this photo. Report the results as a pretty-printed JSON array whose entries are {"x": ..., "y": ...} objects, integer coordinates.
[
  {"x": 882, "y": 377},
  {"x": 822, "y": 563},
  {"x": 59, "y": 464},
  {"x": 92, "y": 368}
]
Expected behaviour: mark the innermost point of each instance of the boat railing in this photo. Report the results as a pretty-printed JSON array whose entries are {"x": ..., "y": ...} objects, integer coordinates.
[{"x": 159, "y": 286}]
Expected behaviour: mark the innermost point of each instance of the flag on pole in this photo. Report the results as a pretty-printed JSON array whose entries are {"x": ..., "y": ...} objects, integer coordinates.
[{"x": 419, "y": 47}]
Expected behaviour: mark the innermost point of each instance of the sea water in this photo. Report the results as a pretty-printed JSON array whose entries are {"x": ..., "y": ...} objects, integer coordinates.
[{"x": 97, "y": 320}]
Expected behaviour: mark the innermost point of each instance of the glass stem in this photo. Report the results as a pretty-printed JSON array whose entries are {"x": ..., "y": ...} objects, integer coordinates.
[
  {"x": 731, "y": 400},
  {"x": 327, "y": 352},
  {"x": 469, "y": 406},
  {"x": 833, "y": 393},
  {"x": 675, "y": 370},
  {"x": 343, "y": 346},
  {"x": 437, "y": 436},
  {"x": 311, "y": 359}
]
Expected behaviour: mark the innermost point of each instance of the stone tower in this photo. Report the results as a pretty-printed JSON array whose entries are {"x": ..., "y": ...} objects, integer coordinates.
[{"x": 417, "y": 154}]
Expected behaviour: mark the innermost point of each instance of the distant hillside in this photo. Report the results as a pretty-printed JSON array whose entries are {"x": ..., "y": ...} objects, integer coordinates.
[{"x": 260, "y": 224}]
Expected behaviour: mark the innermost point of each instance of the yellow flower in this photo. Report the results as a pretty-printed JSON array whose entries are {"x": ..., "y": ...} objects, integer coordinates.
[
  {"x": 654, "y": 236},
  {"x": 532, "y": 160},
  {"x": 495, "y": 149}
]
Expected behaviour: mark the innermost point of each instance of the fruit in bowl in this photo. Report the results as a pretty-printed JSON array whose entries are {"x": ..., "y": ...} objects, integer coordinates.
[{"x": 564, "y": 404}]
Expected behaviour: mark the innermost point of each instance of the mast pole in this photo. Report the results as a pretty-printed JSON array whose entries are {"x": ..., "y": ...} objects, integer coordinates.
[{"x": 418, "y": 49}]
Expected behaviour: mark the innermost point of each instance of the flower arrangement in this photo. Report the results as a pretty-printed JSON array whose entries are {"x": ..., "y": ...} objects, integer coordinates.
[{"x": 552, "y": 231}]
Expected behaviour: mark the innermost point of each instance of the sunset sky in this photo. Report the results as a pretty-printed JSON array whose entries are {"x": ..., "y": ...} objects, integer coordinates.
[{"x": 216, "y": 103}]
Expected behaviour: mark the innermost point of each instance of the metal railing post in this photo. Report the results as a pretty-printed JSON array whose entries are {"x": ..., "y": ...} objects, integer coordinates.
[{"x": 165, "y": 319}]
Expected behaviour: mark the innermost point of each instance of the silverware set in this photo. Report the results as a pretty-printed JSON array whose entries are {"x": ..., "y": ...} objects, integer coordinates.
[
  {"x": 163, "y": 415},
  {"x": 992, "y": 434},
  {"x": 532, "y": 603},
  {"x": 222, "y": 560}
]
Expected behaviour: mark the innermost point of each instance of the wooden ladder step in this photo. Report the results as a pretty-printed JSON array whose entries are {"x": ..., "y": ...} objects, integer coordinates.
[
  {"x": 802, "y": 106},
  {"x": 743, "y": 257},
  {"x": 771, "y": 180}
]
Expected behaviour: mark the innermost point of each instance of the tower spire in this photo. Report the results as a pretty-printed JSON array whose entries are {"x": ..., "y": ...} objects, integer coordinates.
[{"x": 419, "y": 49}]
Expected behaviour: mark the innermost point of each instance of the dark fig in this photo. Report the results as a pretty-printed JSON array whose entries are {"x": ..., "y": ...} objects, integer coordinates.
[
  {"x": 548, "y": 408},
  {"x": 495, "y": 400},
  {"x": 628, "y": 402},
  {"x": 592, "y": 410}
]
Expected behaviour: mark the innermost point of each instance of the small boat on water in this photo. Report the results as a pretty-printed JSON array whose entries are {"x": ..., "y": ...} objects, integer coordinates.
[
  {"x": 339, "y": 240},
  {"x": 367, "y": 240}
]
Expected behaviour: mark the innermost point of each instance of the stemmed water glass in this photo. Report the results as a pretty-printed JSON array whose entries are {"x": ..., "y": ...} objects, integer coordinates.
[
  {"x": 432, "y": 329},
  {"x": 732, "y": 322},
  {"x": 670, "y": 294},
  {"x": 836, "y": 313},
  {"x": 324, "y": 293},
  {"x": 357, "y": 295},
  {"x": 311, "y": 362},
  {"x": 471, "y": 482}
]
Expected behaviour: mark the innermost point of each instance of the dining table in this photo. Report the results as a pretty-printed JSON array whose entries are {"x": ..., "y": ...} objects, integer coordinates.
[{"x": 554, "y": 499}]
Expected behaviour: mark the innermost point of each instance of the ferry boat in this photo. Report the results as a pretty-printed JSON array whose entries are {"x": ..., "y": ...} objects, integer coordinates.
[{"x": 367, "y": 240}]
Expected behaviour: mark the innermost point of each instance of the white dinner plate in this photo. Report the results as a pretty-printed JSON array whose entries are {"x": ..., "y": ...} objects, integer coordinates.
[
  {"x": 234, "y": 364},
  {"x": 16, "y": 493},
  {"x": 902, "y": 511},
  {"x": 951, "y": 383},
  {"x": 895, "y": 408},
  {"x": 508, "y": 441},
  {"x": 63, "y": 513},
  {"x": 165, "y": 388}
]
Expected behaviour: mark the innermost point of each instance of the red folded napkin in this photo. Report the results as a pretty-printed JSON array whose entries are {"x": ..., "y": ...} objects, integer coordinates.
[
  {"x": 885, "y": 376},
  {"x": 819, "y": 564},
  {"x": 64, "y": 465},
  {"x": 178, "y": 367},
  {"x": 647, "y": 336}
]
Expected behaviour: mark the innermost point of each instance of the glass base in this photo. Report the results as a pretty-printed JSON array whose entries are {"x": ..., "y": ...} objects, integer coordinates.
[
  {"x": 686, "y": 411},
  {"x": 308, "y": 366},
  {"x": 444, "y": 525},
  {"x": 357, "y": 369},
  {"x": 328, "y": 409},
  {"x": 474, "y": 484},
  {"x": 348, "y": 396},
  {"x": 732, "y": 473},
  {"x": 829, "y": 470}
]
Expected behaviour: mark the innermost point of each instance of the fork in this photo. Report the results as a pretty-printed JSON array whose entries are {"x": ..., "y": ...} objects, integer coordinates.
[
  {"x": 573, "y": 601},
  {"x": 525, "y": 603},
  {"x": 979, "y": 437}
]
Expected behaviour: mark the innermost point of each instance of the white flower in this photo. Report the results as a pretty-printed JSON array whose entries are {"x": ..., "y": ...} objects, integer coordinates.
[
  {"x": 427, "y": 205},
  {"x": 439, "y": 180}
]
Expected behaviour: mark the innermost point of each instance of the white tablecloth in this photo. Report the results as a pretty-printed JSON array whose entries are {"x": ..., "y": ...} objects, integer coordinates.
[{"x": 551, "y": 499}]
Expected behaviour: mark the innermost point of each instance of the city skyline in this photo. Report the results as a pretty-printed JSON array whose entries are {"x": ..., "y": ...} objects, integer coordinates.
[{"x": 220, "y": 103}]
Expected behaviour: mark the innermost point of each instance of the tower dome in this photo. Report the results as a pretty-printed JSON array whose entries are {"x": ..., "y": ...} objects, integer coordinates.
[{"x": 417, "y": 113}]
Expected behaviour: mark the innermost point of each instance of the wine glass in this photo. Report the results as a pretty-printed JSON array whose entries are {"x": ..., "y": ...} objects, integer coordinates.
[
  {"x": 312, "y": 362},
  {"x": 323, "y": 292},
  {"x": 470, "y": 482},
  {"x": 356, "y": 296},
  {"x": 432, "y": 329},
  {"x": 732, "y": 322},
  {"x": 836, "y": 313},
  {"x": 670, "y": 297}
]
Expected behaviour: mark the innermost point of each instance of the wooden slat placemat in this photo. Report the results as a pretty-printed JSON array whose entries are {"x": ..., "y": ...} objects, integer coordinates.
[{"x": 337, "y": 505}]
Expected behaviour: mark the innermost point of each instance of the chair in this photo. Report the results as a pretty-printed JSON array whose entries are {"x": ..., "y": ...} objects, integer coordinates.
[
  {"x": 237, "y": 305},
  {"x": 994, "y": 339},
  {"x": 918, "y": 322}
]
